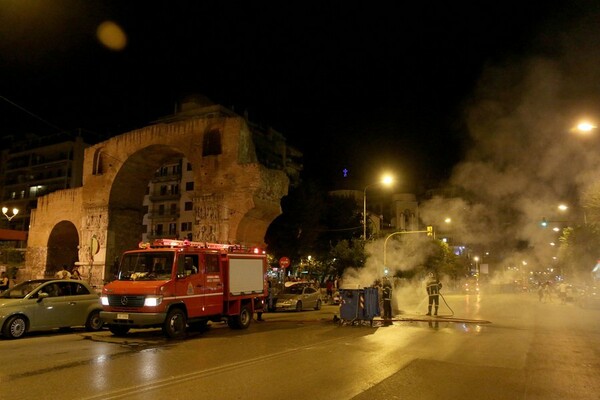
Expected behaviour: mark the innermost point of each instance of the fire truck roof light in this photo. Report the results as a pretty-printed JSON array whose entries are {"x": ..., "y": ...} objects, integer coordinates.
[{"x": 201, "y": 245}]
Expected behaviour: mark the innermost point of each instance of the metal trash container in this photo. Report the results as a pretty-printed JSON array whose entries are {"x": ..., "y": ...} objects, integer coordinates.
[{"x": 359, "y": 305}]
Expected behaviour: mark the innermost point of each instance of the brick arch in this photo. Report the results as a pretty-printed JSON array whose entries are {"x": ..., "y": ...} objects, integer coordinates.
[
  {"x": 63, "y": 244},
  {"x": 235, "y": 197}
]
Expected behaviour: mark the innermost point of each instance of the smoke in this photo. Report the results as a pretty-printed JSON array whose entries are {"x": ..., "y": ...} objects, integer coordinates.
[{"x": 524, "y": 158}]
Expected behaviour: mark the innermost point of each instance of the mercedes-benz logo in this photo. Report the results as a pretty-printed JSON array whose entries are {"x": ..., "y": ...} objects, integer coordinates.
[{"x": 124, "y": 300}]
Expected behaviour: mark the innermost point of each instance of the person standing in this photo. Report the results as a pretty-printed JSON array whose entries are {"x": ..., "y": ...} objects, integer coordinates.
[
  {"x": 433, "y": 291},
  {"x": 63, "y": 273},
  {"x": 4, "y": 282},
  {"x": 387, "y": 299},
  {"x": 329, "y": 286},
  {"x": 75, "y": 273}
]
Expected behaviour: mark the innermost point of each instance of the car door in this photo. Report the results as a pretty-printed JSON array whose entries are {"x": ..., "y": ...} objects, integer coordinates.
[
  {"x": 52, "y": 311},
  {"x": 212, "y": 284},
  {"x": 190, "y": 283},
  {"x": 309, "y": 297}
]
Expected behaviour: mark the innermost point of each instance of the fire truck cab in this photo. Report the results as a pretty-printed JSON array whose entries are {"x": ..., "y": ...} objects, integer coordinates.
[{"x": 174, "y": 284}]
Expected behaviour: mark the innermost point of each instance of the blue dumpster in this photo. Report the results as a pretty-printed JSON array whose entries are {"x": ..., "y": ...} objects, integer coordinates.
[{"x": 359, "y": 305}]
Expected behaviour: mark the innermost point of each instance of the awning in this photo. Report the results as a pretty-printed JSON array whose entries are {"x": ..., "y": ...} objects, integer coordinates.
[{"x": 10, "y": 234}]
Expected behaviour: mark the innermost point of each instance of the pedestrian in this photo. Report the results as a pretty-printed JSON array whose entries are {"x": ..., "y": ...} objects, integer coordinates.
[
  {"x": 387, "y": 299},
  {"x": 4, "y": 282},
  {"x": 547, "y": 293},
  {"x": 562, "y": 292},
  {"x": 75, "y": 273},
  {"x": 433, "y": 291},
  {"x": 540, "y": 292},
  {"x": 63, "y": 273},
  {"x": 329, "y": 286}
]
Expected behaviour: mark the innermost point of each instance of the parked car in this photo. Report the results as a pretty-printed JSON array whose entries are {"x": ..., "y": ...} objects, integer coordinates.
[
  {"x": 44, "y": 304},
  {"x": 298, "y": 297}
]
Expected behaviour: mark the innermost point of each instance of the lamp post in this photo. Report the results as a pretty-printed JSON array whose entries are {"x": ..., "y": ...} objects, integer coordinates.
[
  {"x": 386, "y": 180},
  {"x": 15, "y": 211}
]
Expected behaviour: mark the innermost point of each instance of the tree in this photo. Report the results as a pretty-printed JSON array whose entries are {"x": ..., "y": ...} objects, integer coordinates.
[
  {"x": 579, "y": 250},
  {"x": 314, "y": 223}
]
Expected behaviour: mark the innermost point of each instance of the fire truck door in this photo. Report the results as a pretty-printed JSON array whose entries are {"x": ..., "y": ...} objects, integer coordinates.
[
  {"x": 213, "y": 286},
  {"x": 190, "y": 284}
]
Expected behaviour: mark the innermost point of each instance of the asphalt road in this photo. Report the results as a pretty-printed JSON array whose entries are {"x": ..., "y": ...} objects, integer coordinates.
[{"x": 505, "y": 346}]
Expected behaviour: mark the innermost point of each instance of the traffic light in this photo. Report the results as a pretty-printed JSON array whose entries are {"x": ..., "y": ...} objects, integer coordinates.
[
  {"x": 544, "y": 223},
  {"x": 429, "y": 230}
]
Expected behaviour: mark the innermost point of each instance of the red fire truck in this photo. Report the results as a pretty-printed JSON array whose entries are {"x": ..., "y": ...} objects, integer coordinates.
[{"x": 176, "y": 283}]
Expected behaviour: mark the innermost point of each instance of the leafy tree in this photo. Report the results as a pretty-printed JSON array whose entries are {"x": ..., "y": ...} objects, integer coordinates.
[
  {"x": 579, "y": 250},
  {"x": 347, "y": 254},
  {"x": 315, "y": 223}
]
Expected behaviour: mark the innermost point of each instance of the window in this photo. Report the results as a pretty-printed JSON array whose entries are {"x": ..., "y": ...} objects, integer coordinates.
[
  {"x": 161, "y": 209},
  {"x": 189, "y": 186},
  {"x": 212, "y": 263},
  {"x": 189, "y": 206},
  {"x": 189, "y": 166},
  {"x": 173, "y": 209},
  {"x": 159, "y": 229},
  {"x": 172, "y": 228},
  {"x": 186, "y": 226},
  {"x": 211, "y": 144}
]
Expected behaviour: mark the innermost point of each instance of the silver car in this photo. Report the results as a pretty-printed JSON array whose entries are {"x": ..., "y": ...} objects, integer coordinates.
[
  {"x": 298, "y": 297},
  {"x": 44, "y": 304}
]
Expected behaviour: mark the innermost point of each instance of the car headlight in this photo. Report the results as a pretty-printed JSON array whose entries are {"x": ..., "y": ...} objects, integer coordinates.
[
  {"x": 152, "y": 301},
  {"x": 104, "y": 300}
]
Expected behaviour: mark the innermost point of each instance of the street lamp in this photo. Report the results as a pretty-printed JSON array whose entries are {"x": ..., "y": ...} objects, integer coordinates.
[
  {"x": 387, "y": 180},
  {"x": 15, "y": 211}
]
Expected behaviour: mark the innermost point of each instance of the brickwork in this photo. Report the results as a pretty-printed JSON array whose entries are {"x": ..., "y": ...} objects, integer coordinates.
[{"x": 235, "y": 197}]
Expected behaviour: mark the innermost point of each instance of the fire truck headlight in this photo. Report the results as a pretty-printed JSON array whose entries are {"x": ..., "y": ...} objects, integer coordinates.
[
  {"x": 104, "y": 300},
  {"x": 152, "y": 301}
]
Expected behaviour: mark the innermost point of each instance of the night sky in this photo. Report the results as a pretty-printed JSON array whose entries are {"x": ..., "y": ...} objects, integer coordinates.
[{"x": 363, "y": 85}]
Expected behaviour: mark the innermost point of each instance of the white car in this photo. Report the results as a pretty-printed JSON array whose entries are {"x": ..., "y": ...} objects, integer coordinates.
[{"x": 298, "y": 297}]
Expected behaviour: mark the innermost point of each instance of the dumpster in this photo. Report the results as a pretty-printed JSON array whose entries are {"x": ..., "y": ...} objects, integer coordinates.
[{"x": 359, "y": 305}]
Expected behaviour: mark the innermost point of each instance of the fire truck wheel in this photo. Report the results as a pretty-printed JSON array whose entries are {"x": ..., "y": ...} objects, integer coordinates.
[
  {"x": 174, "y": 327},
  {"x": 118, "y": 330},
  {"x": 241, "y": 321}
]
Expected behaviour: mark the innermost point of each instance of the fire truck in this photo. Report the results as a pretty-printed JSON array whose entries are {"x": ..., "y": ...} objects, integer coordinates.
[{"x": 174, "y": 284}]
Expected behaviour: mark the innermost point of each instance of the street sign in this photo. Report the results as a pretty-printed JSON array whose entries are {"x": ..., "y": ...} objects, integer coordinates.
[{"x": 284, "y": 262}]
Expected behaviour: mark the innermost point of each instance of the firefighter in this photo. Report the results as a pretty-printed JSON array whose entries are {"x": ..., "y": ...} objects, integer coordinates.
[
  {"x": 387, "y": 299},
  {"x": 433, "y": 291}
]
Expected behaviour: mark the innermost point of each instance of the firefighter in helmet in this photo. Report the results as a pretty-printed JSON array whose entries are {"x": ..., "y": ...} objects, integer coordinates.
[
  {"x": 433, "y": 291},
  {"x": 387, "y": 299}
]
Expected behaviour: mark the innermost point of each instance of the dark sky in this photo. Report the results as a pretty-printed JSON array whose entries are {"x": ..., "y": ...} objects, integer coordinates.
[{"x": 360, "y": 85}]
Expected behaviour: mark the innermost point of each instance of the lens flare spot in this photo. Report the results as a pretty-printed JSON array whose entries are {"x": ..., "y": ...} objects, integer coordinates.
[{"x": 111, "y": 35}]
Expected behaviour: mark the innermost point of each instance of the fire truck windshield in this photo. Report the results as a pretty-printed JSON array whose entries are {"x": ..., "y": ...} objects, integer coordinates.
[{"x": 144, "y": 266}]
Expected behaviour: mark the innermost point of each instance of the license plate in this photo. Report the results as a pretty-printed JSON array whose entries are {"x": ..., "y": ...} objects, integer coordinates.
[{"x": 122, "y": 316}]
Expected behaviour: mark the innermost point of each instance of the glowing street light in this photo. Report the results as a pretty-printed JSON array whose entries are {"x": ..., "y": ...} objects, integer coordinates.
[
  {"x": 15, "y": 211},
  {"x": 585, "y": 127},
  {"x": 386, "y": 180}
]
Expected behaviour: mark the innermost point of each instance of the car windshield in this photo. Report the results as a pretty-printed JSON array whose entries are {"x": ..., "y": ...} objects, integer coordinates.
[
  {"x": 21, "y": 290},
  {"x": 294, "y": 289},
  {"x": 148, "y": 266}
]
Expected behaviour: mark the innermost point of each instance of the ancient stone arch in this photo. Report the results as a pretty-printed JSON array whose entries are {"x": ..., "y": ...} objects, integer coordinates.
[{"x": 235, "y": 197}]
